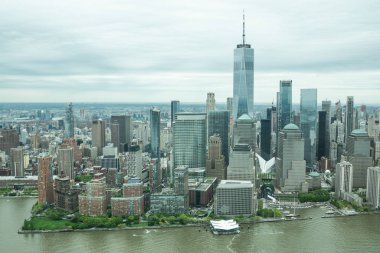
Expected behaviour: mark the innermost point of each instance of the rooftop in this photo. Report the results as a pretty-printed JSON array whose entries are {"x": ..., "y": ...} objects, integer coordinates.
[{"x": 291, "y": 127}]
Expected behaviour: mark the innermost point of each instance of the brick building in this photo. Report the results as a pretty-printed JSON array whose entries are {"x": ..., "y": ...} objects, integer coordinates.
[{"x": 94, "y": 201}]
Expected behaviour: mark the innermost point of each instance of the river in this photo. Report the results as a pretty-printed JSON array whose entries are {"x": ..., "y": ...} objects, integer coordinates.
[{"x": 346, "y": 234}]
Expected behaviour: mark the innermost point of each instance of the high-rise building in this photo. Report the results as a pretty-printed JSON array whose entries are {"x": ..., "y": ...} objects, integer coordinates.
[
  {"x": 115, "y": 138},
  {"x": 124, "y": 122},
  {"x": 175, "y": 107},
  {"x": 326, "y": 106},
  {"x": 181, "y": 178},
  {"x": 321, "y": 135},
  {"x": 210, "y": 102},
  {"x": 373, "y": 186},
  {"x": 155, "y": 175},
  {"x": 65, "y": 160},
  {"x": 98, "y": 134},
  {"x": 219, "y": 123},
  {"x": 69, "y": 122},
  {"x": 234, "y": 197},
  {"x": 45, "y": 181},
  {"x": 308, "y": 115},
  {"x": 9, "y": 138},
  {"x": 94, "y": 202},
  {"x": 265, "y": 139},
  {"x": 343, "y": 178},
  {"x": 155, "y": 121},
  {"x": 290, "y": 163},
  {"x": 284, "y": 104},
  {"x": 190, "y": 140},
  {"x": 17, "y": 162},
  {"x": 242, "y": 164},
  {"x": 243, "y": 78},
  {"x": 245, "y": 131},
  {"x": 230, "y": 105},
  {"x": 349, "y": 117},
  {"x": 215, "y": 165},
  {"x": 134, "y": 164},
  {"x": 359, "y": 155}
]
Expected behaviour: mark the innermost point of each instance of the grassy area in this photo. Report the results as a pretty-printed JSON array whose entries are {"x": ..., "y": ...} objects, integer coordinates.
[
  {"x": 5, "y": 191},
  {"x": 45, "y": 223}
]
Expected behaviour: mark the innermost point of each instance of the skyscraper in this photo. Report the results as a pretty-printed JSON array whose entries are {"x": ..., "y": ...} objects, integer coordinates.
[
  {"x": 291, "y": 166},
  {"x": 321, "y": 135},
  {"x": 265, "y": 139},
  {"x": 69, "y": 121},
  {"x": 155, "y": 132},
  {"x": 66, "y": 162},
  {"x": 17, "y": 161},
  {"x": 326, "y": 106},
  {"x": 124, "y": 122},
  {"x": 215, "y": 165},
  {"x": 115, "y": 139},
  {"x": 45, "y": 181},
  {"x": 349, "y": 117},
  {"x": 210, "y": 102},
  {"x": 284, "y": 104},
  {"x": 98, "y": 134},
  {"x": 243, "y": 78},
  {"x": 219, "y": 123},
  {"x": 245, "y": 131},
  {"x": 190, "y": 139},
  {"x": 175, "y": 107},
  {"x": 308, "y": 110}
]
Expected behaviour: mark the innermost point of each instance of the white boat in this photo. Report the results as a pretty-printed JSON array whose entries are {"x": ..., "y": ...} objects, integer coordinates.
[
  {"x": 224, "y": 227},
  {"x": 330, "y": 212}
]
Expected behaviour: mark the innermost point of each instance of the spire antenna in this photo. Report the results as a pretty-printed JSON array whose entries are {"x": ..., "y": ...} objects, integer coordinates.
[{"x": 243, "y": 28}]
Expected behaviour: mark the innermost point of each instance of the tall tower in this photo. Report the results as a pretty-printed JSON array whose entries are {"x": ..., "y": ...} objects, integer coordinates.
[
  {"x": 175, "y": 107},
  {"x": 321, "y": 135},
  {"x": 349, "y": 117},
  {"x": 219, "y": 123},
  {"x": 190, "y": 140},
  {"x": 155, "y": 132},
  {"x": 124, "y": 122},
  {"x": 69, "y": 122},
  {"x": 45, "y": 181},
  {"x": 98, "y": 134},
  {"x": 243, "y": 78},
  {"x": 66, "y": 162},
  {"x": 215, "y": 166},
  {"x": 210, "y": 102},
  {"x": 308, "y": 110},
  {"x": 326, "y": 106},
  {"x": 17, "y": 161}
]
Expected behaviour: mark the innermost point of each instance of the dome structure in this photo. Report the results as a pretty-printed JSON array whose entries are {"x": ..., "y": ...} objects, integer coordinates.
[{"x": 291, "y": 127}]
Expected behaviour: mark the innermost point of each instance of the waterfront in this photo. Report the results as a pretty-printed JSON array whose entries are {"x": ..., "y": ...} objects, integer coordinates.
[{"x": 346, "y": 234}]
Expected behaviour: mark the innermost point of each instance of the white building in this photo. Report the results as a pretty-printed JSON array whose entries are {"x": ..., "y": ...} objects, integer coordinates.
[
  {"x": 343, "y": 178},
  {"x": 373, "y": 186},
  {"x": 241, "y": 165}
]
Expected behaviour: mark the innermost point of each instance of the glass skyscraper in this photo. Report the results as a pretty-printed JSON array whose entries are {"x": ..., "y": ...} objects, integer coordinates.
[
  {"x": 175, "y": 107},
  {"x": 243, "y": 79},
  {"x": 284, "y": 104},
  {"x": 308, "y": 115},
  {"x": 190, "y": 139},
  {"x": 219, "y": 123},
  {"x": 155, "y": 132},
  {"x": 69, "y": 122}
]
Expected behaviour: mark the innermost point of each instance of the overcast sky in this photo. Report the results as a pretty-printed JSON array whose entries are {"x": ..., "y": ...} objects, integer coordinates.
[{"x": 157, "y": 51}]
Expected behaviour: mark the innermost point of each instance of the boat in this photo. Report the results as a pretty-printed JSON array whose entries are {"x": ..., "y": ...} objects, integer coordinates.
[
  {"x": 224, "y": 227},
  {"x": 330, "y": 212},
  {"x": 293, "y": 215}
]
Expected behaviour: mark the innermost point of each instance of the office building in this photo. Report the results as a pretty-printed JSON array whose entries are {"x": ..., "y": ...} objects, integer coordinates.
[
  {"x": 290, "y": 163},
  {"x": 16, "y": 162},
  {"x": 343, "y": 178},
  {"x": 219, "y": 123},
  {"x": 124, "y": 122},
  {"x": 190, "y": 140},
  {"x": 45, "y": 181},
  {"x": 321, "y": 135},
  {"x": 326, "y": 106},
  {"x": 210, "y": 102},
  {"x": 243, "y": 82},
  {"x": 65, "y": 159},
  {"x": 155, "y": 121},
  {"x": 265, "y": 139},
  {"x": 69, "y": 121},
  {"x": 308, "y": 118},
  {"x": 242, "y": 164},
  {"x": 284, "y": 104},
  {"x": 215, "y": 165},
  {"x": 98, "y": 135},
  {"x": 9, "y": 138},
  {"x": 174, "y": 108},
  {"x": 349, "y": 117},
  {"x": 115, "y": 138},
  {"x": 373, "y": 186},
  {"x": 245, "y": 131},
  {"x": 234, "y": 197},
  {"x": 134, "y": 164}
]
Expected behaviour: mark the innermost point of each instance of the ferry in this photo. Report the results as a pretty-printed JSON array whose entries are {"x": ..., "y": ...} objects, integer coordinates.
[{"x": 224, "y": 227}]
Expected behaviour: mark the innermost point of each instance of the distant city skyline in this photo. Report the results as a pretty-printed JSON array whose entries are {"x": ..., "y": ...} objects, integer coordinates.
[{"x": 112, "y": 51}]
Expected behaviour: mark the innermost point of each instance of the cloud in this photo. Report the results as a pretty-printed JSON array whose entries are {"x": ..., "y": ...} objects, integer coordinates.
[{"x": 123, "y": 50}]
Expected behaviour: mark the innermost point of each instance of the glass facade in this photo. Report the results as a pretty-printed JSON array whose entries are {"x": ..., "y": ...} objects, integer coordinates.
[
  {"x": 219, "y": 123},
  {"x": 308, "y": 109},
  {"x": 175, "y": 107},
  {"x": 284, "y": 103},
  {"x": 155, "y": 132},
  {"x": 190, "y": 140},
  {"x": 243, "y": 80}
]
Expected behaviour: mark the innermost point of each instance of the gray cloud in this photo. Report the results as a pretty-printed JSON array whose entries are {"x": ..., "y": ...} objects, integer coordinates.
[{"x": 170, "y": 47}]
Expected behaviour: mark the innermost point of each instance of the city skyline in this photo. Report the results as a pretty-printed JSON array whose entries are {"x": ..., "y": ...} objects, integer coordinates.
[{"x": 117, "y": 52}]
